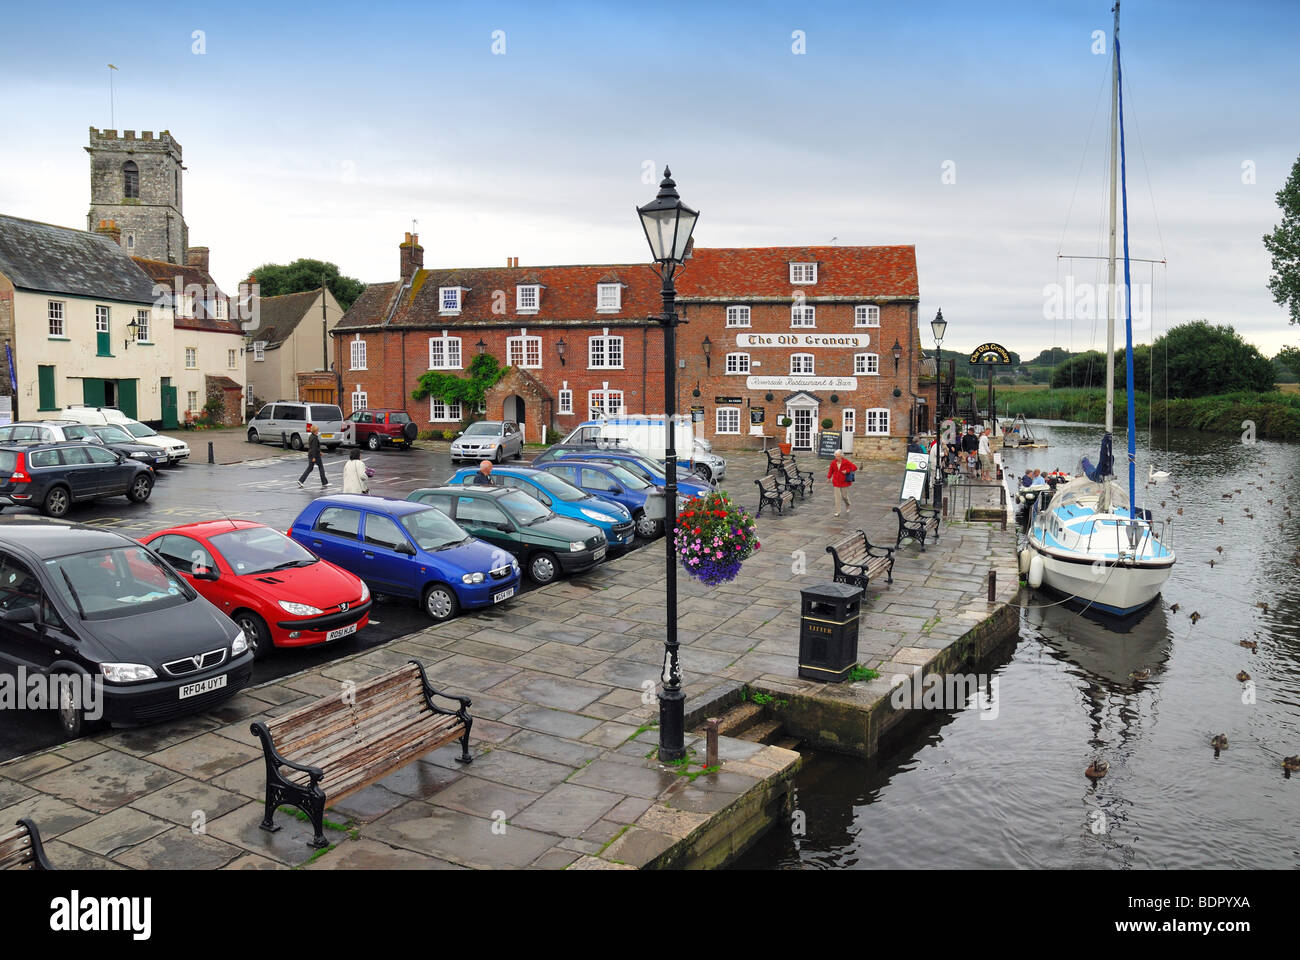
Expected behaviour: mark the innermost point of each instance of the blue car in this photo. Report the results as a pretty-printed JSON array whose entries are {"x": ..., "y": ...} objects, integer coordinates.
[
  {"x": 564, "y": 499},
  {"x": 651, "y": 471},
  {"x": 610, "y": 481},
  {"x": 406, "y": 549}
]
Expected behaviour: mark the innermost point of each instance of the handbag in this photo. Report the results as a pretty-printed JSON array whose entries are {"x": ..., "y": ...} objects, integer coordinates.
[{"x": 848, "y": 476}]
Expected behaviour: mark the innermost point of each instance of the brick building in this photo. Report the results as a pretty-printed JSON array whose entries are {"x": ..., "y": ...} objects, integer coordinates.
[{"x": 801, "y": 331}]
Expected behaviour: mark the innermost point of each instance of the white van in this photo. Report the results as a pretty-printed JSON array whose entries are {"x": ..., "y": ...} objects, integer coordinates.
[
  {"x": 285, "y": 422},
  {"x": 177, "y": 450},
  {"x": 648, "y": 434}
]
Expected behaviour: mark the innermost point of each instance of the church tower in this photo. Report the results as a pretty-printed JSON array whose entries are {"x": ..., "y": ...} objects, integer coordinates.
[{"x": 136, "y": 182}]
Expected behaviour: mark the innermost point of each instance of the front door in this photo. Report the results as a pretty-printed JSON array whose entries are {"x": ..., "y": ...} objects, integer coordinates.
[
  {"x": 169, "y": 420},
  {"x": 803, "y": 427},
  {"x": 126, "y": 398},
  {"x": 92, "y": 392},
  {"x": 850, "y": 426},
  {"x": 514, "y": 410}
]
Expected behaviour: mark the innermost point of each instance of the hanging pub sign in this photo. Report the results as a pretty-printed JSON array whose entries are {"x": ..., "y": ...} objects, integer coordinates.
[
  {"x": 728, "y": 401},
  {"x": 990, "y": 353},
  {"x": 697, "y": 414},
  {"x": 757, "y": 415}
]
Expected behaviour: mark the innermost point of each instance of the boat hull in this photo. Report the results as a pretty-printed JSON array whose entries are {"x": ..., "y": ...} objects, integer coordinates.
[{"x": 1115, "y": 588}]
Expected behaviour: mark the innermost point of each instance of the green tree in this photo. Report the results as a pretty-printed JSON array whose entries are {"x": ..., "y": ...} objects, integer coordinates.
[
  {"x": 1204, "y": 359},
  {"x": 1087, "y": 369},
  {"x": 275, "y": 280},
  {"x": 1050, "y": 357},
  {"x": 1287, "y": 365},
  {"x": 1284, "y": 246}
]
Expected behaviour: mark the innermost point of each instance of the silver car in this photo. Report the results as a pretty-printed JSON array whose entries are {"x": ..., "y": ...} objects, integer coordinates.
[
  {"x": 488, "y": 440},
  {"x": 285, "y": 422}
]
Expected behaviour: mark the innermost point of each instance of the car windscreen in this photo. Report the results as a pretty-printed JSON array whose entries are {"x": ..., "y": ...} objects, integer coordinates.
[
  {"x": 558, "y": 488},
  {"x": 118, "y": 582},
  {"x": 259, "y": 550},
  {"x": 432, "y": 529},
  {"x": 483, "y": 430},
  {"x": 138, "y": 429},
  {"x": 326, "y": 413},
  {"x": 626, "y": 477},
  {"x": 112, "y": 434},
  {"x": 523, "y": 508}
]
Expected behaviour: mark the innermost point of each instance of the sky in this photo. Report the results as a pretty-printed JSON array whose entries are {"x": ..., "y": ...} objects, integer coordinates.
[{"x": 975, "y": 131}]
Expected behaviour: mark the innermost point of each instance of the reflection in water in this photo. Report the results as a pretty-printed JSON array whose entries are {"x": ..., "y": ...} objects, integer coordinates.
[{"x": 967, "y": 789}]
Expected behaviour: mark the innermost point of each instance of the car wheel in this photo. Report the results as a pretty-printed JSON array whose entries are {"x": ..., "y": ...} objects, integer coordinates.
[
  {"x": 295, "y": 442},
  {"x": 140, "y": 488},
  {"x": 372, "y": 442},
  {"x": 254, "y": 437},
  {"x": 704, "y": 472},
  {"x": 440, "y": 602},
  {"x": 498, "y": 455},
  {"x": 57, "y": 502},
  {"x": 543, "y": 567},
  {"x": 72, "y": 718},
  {"x": 256, "y": 633},
  {"x": 647, "y": 527}
]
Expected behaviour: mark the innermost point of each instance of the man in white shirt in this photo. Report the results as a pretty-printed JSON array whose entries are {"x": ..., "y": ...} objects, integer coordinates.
[{"x": 986, "y": 456}]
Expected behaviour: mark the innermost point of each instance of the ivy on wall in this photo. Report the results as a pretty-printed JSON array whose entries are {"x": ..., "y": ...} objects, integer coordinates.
[{"x": 484, "y": 372}]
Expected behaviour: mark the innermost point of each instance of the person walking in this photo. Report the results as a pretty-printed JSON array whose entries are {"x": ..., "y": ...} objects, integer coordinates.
[
  {"x": 969, "y": 448},
  {"x": 483, "y": 477},
  {"x": 838, "y": 474},
  {"x": 314, "y": 458},
  {"x": 986, "y": 455},
  {"x": 354, "y": 474}
]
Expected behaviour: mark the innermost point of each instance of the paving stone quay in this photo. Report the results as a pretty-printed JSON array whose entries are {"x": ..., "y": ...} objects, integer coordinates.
[{"x": 564, "y": 774}]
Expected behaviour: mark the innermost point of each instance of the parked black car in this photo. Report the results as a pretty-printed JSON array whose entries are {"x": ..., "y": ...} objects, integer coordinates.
[
  {"x": 118, "y": 440},
  {"x": 110, "y": 628},
  {"x": 53, "y": 476}
]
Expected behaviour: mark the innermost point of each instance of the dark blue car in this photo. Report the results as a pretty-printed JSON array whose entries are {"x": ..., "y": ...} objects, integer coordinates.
[
  {"x": 610, "y": 481},
  {"x": 406, "y": 549},
  {"x": 563, "y": 498},
  {"x": 651, "y": 471}
]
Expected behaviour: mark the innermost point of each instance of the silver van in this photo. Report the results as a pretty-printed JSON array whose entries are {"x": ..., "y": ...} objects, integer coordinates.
[{"x": 285, "y": 422}]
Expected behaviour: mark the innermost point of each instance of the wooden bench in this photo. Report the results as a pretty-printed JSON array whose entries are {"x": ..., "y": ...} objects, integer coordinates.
[
  {"x": 857, "y": 560},
  {"x": 774, "y": 462},
  {"x": 20, "y": 848},
  {"x": 771, "y": 491},
  {"x": 341, "y": 744},
  {"x": 796, "y": 479},
  {"x": 916, "y": 521}
]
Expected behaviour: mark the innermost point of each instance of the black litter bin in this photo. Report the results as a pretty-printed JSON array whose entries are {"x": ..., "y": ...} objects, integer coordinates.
[{"x": 828, "y": 631}]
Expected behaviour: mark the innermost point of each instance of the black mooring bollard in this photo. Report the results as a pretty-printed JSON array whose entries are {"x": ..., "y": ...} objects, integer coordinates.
[
  {"x": 993, "y": 585},
  {"x": 211, "y": 458}
]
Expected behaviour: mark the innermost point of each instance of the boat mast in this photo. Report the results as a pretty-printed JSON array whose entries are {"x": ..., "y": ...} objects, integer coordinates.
[{"x": 1104, "y": 505}]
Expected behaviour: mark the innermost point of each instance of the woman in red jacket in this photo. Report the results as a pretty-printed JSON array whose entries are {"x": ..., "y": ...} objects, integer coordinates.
[{"x": 839, "y": 467}]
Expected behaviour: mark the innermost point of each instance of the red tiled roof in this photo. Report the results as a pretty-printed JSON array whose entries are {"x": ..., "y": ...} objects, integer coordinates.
[
  {"x": 160, "y": 271},
  {"x": 568, "y": 293},
  {"x": 741, "y": 272}
]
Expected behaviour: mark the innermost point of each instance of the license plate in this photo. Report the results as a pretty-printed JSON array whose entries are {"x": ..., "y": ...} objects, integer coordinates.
[
  {"x": 327, "y": 436},
  {"x": 347, "y": 631},
  {"x": 203, "y": 686},
  {"x": 600, "y": 553},
  {"x": 503, "y": 595}
]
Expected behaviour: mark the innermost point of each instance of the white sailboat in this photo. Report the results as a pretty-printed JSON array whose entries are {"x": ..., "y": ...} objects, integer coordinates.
[{"x": 1091, "y": 542}]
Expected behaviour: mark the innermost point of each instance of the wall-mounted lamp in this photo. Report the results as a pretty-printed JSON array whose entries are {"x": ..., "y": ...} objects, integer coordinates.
[
  {"x": 898, "y": 355},
  {"x": 482, "y": 347},
  {"x": 131, "y": 329},
  {"x": 707, "y": 345},
  {"x": 560, "y": 348}
]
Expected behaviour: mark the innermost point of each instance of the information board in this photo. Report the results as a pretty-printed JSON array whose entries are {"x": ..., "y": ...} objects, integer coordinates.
[
  {"x": 757, "y": 414},
  {"x": 827, "y": 444},
  {"x": 697, "y": 414},
  {"x": 913, "y": 485}
]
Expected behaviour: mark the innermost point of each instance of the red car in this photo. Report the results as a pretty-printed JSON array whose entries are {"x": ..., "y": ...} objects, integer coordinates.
[
  {"x": 279, "y": 593},
  {"x": 372, "y": 429}
]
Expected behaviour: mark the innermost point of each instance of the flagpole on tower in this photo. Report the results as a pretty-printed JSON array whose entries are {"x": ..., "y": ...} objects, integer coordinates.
[{"x": 112, "y": 122}]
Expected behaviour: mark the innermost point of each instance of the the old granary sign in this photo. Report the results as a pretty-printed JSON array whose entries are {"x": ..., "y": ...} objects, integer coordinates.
[
  {"x": 990, "y": 353},
  {"x": 843, "y": 341},
  {"x": 847, "y": 384}
]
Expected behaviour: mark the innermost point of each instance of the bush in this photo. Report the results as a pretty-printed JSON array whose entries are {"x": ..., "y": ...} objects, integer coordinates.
[
  {"x": 827, "y": 423},
  {"x": 449, "y": 434}
]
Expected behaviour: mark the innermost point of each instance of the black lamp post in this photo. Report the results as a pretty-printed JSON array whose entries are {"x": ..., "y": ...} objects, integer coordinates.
[
  {"x": 939, "y": 327},
  {"x": 560, "y": 347},
  {"x": 668, "y": 225}
]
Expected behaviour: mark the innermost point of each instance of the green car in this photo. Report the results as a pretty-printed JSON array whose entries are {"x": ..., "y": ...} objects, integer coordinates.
[{"x": 545, "y": 543}]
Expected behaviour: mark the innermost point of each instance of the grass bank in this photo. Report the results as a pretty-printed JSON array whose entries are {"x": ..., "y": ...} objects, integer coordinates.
[{"x": 1276, "y": 415}]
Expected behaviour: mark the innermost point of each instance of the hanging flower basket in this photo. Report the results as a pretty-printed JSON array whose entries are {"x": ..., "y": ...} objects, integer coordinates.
[{"x": 713, "y": 538}]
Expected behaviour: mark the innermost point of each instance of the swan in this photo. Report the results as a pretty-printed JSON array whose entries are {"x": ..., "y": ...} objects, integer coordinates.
[{"x": 1153, "y": 474}]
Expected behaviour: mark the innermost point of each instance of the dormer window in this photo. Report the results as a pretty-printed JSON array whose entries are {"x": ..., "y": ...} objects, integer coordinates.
[
  {"x": 449, "y": 299},
  {"x": 803, "y": 273},
  {"x": 527, "y": 297},
  {"x": 609, "y": 297}
]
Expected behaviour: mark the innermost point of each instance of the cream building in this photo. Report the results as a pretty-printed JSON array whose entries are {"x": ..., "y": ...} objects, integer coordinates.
[
  {"x": 290, "y": 337},
  {"x": 81, "y": 321}
]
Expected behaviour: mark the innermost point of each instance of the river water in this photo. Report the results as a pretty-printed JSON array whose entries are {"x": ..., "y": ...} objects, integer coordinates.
[{"x": 1001, "y": 784}]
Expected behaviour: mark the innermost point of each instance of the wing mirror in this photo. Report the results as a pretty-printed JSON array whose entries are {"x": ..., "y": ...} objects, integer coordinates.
[
  {"x": 19, "y": 615},
  {"x": 204, "y": 573},
  {"x": 405, "y": 549}
]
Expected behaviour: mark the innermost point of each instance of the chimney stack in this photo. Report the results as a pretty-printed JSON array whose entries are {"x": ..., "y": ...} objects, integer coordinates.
[
  {"x": 110, "y": 229},
  {"x": 197, "y": 257},
  {"x": 412, "y": 256}
]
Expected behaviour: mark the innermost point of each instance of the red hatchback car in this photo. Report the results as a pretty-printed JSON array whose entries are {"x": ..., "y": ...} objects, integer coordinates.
[{"x": 279, "y": 593}]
